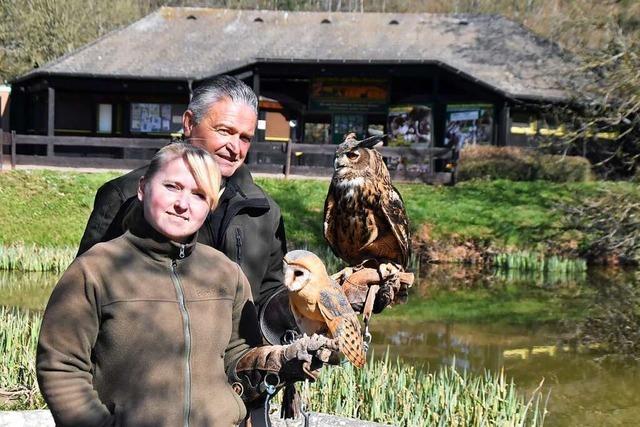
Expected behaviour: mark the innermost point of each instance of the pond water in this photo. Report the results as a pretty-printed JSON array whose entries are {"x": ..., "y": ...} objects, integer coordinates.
[{"x": 585, "y": 388}]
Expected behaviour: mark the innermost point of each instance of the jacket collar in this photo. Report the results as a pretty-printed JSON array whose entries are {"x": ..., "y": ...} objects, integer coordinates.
[
  {"x": 242, "y": 183},
  {"x": 148, "y": 240}
]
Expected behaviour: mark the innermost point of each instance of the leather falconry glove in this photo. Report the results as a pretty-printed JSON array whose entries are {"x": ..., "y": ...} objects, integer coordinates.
[
  {"x": 281, "y": 364},
  {"x": 356, "y": 281}
]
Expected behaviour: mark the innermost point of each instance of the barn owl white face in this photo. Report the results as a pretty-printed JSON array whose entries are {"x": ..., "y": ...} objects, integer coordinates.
[{"x": 295, "y": 277}]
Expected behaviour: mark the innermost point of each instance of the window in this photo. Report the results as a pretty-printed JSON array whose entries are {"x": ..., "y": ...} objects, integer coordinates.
[{"x": 105, "y": 118}]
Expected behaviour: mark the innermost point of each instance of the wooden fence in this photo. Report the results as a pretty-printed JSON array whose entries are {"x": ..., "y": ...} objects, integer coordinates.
[{"x": 414, "y": 163}]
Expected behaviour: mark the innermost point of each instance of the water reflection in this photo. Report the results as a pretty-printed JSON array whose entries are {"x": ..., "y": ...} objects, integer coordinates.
[
  {"x": 26, "y": 290},
  {"x": 587, "y": 388}
]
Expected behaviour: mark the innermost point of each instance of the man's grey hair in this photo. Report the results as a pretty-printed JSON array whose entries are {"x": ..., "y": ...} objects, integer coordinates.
[{"x": 217, "y": 89}]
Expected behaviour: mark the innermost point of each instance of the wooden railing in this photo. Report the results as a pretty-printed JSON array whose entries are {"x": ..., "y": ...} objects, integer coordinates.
[{"x": 406, "y": 163}]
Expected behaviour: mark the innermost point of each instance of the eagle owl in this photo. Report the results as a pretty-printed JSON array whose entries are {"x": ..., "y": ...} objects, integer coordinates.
[
  {"x": 364, "y": 215},
  {"x": 320, "y": 306}
]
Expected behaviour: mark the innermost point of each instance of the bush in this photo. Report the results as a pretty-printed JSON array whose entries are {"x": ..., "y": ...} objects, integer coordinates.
[
  {"x": 518, "y": 164},
  {"x": 563, "y": 168}
]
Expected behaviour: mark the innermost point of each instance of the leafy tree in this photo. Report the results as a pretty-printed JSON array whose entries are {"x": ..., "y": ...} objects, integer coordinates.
[{"x": 33, "y": 32}]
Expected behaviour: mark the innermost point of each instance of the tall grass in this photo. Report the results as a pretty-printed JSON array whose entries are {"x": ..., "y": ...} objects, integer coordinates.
[
  {"x": 539, "y": 268},
  {"x": 18, "y": 341},
  {"x": 20, "y": 257},
  {"x": 393, "y": 392},
  {"x": 384, "y": 391}
]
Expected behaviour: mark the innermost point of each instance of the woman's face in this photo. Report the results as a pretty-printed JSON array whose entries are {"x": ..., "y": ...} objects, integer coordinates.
[{"x": 173, "y": 203}]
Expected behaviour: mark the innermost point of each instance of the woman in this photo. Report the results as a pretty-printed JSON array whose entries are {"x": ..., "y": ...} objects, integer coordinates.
[{"x": 142, "y": 329}]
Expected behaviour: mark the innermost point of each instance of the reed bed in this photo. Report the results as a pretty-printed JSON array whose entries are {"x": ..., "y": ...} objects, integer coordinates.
[
  {"x": 538, "y": 268},
  {"x": 18, "y": 341},
  {"x": 535, "y": 261},
  {"x": 21, "y": 257},
  {"x": 397, "y": 393}
]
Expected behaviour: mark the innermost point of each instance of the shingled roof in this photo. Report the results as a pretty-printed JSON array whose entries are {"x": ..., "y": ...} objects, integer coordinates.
[{"x": 196, "y": 43}]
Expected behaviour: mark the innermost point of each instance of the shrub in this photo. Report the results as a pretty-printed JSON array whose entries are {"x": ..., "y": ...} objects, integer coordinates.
[
  {"x": 518, "y": 164},
  {"x": 563, "y": 168}
]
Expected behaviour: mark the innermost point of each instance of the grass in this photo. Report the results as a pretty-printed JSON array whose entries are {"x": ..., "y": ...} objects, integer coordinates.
[
  {"x": 46, "y": 208},
  {"x": 50, "y": 208},
  {"x": 36, "y": 258},
  {"x": 18, "y": 341},
  {"x": 393, "y": 392},
  {"x": 383, "y": 391}
]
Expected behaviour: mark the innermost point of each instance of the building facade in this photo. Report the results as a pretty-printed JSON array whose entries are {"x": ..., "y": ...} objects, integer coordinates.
[{"x": 436, "y": 81}]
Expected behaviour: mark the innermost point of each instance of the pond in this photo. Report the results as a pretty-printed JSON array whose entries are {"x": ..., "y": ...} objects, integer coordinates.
[{"x": 585, "y": 387}]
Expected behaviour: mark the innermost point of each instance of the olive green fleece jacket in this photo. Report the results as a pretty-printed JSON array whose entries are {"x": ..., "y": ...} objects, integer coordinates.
[{"x": 139, "y": 331}]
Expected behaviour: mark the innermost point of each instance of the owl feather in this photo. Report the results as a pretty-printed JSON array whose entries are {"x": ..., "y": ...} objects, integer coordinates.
[
  {"x": 364, "y": 214},
  {"x": 320, "y": 306}
]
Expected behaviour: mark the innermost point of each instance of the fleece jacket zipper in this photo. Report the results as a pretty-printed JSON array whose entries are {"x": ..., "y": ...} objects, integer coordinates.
[{"x": 187, "y": 338}]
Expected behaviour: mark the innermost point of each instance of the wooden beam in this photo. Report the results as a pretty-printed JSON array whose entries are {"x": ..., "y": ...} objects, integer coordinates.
[
  {"x": 287, "y": 160},
  {"x": 13, "y": 149},
  {"x": 88, "y": 141},
  {"x": 2, "y": 141},
  {"x": 504, "y": 121},
  {"x": 51, "y": 116}
]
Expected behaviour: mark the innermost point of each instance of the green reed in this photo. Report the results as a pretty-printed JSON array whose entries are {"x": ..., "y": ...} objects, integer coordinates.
[
  {"x": 397, "y": 393},
  {"x": 18, "y": 341},
  {"x": 526, "y": 265},
  {"x": 22, "y": 257}
]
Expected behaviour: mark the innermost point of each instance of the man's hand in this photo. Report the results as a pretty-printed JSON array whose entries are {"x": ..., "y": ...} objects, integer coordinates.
[
  {"x": 393, "y": 285},
  {"x": 303, "y": 358}
]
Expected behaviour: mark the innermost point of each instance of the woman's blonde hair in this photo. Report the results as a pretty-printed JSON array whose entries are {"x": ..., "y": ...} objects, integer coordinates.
[{"x": 203, "y": 167}]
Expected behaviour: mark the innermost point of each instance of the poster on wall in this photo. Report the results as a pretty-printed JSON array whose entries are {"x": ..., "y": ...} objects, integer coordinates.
[
  {"x": 346, "y": 94},
  {"x": 344, "y": 124},
  {"x": 409, "y": 124},
  {"x": 469, "y": 124},
  {"x": 156, "y": 118}
]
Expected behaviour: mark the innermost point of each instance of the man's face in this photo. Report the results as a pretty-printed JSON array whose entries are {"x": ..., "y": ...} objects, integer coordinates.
[{"x": 225, "y": 132}]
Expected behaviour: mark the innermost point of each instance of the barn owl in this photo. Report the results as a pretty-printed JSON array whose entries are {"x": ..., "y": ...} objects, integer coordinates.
[{"x": 320, "y": 306}]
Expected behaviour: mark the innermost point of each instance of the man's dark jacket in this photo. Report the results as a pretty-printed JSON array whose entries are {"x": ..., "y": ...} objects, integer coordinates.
[{"x": 246, "y": 226}]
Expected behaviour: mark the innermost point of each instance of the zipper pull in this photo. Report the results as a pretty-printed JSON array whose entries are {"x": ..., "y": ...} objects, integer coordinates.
[
  {"x": 238, "y": 246},
  {"x": 181, "y": 254}
]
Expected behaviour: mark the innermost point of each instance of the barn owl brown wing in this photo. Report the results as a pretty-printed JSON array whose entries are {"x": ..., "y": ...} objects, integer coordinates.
[
  {"x": 396, "y": 216},
  {"x": 343, "y": 324}
]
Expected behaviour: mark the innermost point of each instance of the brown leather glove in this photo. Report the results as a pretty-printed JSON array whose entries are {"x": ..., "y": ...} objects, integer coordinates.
[
  {"x": 356, "y": 281},
  {"x": 280, "y": 364}
]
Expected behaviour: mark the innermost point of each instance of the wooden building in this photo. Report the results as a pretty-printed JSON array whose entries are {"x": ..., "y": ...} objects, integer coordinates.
[{"x": 430, "y": 81}]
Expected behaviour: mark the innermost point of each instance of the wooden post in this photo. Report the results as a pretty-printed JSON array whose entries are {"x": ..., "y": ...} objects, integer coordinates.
[
  {"x": 287, "y": 159},
  {"x": 51, "y": 118},
  {"x": 51, "y": 102},
  {"x": 2, "y": 150},
  {"x": 13, "y": 149},
  {"x": 504, "y": 128}
]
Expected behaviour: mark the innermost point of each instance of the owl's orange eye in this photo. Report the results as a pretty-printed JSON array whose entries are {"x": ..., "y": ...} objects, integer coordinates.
[{"x": 352, "y": 155}]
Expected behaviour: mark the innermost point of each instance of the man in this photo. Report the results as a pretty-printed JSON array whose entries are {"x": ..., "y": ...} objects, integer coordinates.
[{"x": 247, "y": 225}]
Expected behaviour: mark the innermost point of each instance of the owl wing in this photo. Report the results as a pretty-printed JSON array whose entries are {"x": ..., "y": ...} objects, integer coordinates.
[
  {"x": 396, "y": 216},
  {"x": 330, "y": 221},
  {"x": 343, "y": 323}
]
